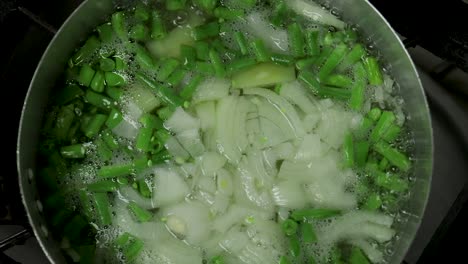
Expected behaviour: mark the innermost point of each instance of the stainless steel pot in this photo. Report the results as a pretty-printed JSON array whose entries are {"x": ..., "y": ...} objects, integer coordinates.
[{"x": 92, "y": 12}]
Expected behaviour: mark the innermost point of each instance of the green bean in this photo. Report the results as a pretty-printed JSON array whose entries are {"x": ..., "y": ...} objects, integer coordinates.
[
  {"x": 323, "y": 56},
  {"x": 308, "y": 233},
  {"x": 353, "y": 56},
  {"x": 158, "y": 29},
  {"x": 217, "y": 63},
  {"x": 106, "y": 64},
  {"x": 333, "y": 60},
  {"x": 206, "y": 5},
  {"x": 348, "y": 150},
  {"x": 387, "y": 180},
  {"x": 144, "y": 189},
  {"x": 303, "y": 64},
  {"x": 165, "y": 112},
  {"x": 363, "y": 130},
  {"x": 394, "y": 156},
  {"x": 373, "y": 71},
  {"x": 188, "y": 55},
  {"x": 103, "y": 186},
  {"x": 140, "y": 214},
  {"x": 139, "y": 32},
  {"x": 284, "y": 260},
  {"x": 240, "y": 64},
  {"x": 375, "y": 114},
  {"x": 313, "y": 47},
  {"x": 205, "y": 68},
  {"x": 115, "y": 93},
  {"x": 294, "y": 246},
  {"x": 141, "y": 164},
  {"x": 279, "y": 13},
  {"x": 311, "y": 81},
  {"x": 260, "y": 51},
  {"x": 143, "y": 58},
  {"x": 94, "y": 126},
  {"x": 312, "y": 260},
  {"x": 385, "y": 122},
  {"x": 116, "y": 170},
  {"x": 228, "y": 14},
  {"x": 68, "y": 94},
  {"x": 103, "y": 151},
  {"x": 86, "y": 75},
  {"x": 313, "y": 213},
  {"x": 289, "y": 227},
  {"x": 338, "y": 80},
  {"x": 144, "y": 138},
  {"x": 384, "y": 164},
  {"x": 86, "y": 51},
  {"x": 173, "y": 5},
  {"x": 109, "y": 140},
  {"x": 131, "y": 251},
  {"x": 296, "y": 40},
  {"x": 120, "y": 64},
  {"x": 166, "y": 95},
  {"x": 359, "y": 88},
  {"x": 336, "y": 93},
  {"x": 392, "y": 133},
  {"x": 373, "y": 202},
  {"x": 74, "y": 228},
  {"x": 166, "y": 68},
  {"x": 162, "y": 135},
  {"x": 203, "y": 50},
  {"x": 191, "y": 87},
  {"x": 73, "y": 152},
  {"x": 350, "y": 35},
  {"x": 361, "y": 151},
  {"x": 217, "y": 260},
  {"x": 357, "y": 257},
  {"x": 176, "y": 77},
  {"x": 114, "y": 79},
  {"x": 97, "y": 84},
  {"x": 282, "y": 59},
  {"x": 118, "y": 24},
  {"x": 206, "y": 31},
  {"x": 141, "y": 13},
  {"x": 85, "y": 203},
  {"x": 241, "y": 42},
  {"x": 64, "y": 121},
  {"x": 151, "y": 121},
  {"x": 101, "y": 201},
  {"x": 106, "y": 33}
]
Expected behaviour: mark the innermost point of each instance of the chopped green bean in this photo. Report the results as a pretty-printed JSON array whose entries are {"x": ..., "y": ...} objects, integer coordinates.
[
  {"x": 313, "y": 48},
  {"x": 103, "y": 151},
  {"x": 166, "y": 68},
  {"x": 188, "y": 55},
  {"x": 373, "y": 71},
  {"x": 217, "y": 63},
  {"x": 375, "y": 114},
  {"x": 101, "y": 201},
  {"x": 385, "y": 122},
  {"x": 77, "y": 151},
  {"x": 241, "y": 42},
  {"x": 357, "y": 257},
  {"x": 86, "y": 51},
  {"x": 68, "y": 94},
  {"x": 94, "y": 126},
  {"x": 176, "y": 77},
  {"x": 336, "y": 93},
  {"x": 106, "y": 33},
  {"x": 353, "y": 56},
  {"x": 260, "y": 51},
  {"x": 64, "y": 121},
  {"x": 144, "y": 189},
  {"x": 323, "y": 56},
  {"x": 151, "y": 121},
  {"x": 384, "y": 164},
  {"x": 294, "y": 246},
  {"x": 206, "y": 5},
  {"x": 114, "y": 119},
  {"x": 240, "y": 64},
  {"x": 303, "y": 64},
  {"x": 117, "y": 170},
  {"x": 118, "y": 24},
  {"x": 86, "y": 75},
  {"x": 106, "y": 64},
  {"x": 205, "y": 68},
  {"x": 167, "y": 95},
  {"x": 361, "y": 152},
  {"x": 308, "y": 233},
  {"x": 206, "y": 31},
  {"x": 140, "y": 214},
  {"x": 392, "y": 133},
  {"x": 103, "y": 186},
  {"x": 143, "y": 58},
  {"x": 173, "y": 5},
  {"x": 284, "y": 260},
  {"x": 282, "y": 59},
  {"x": 373, "y": 202},
  {"x": 394, "y": 156},
  {"x": 115, "y": 93},
  {"x": 228, "y": 14},
  {"x": 114, "y": 79},
  {"x": 165, "y": 112},
  {"x": 311, "y": 81},
  {"x": 120, "y": 64},
  {"x": 110, "y": 140},
  {"x": 97, "y": 84},
  {"x": 139, "y": 32},
  {"x": 296, "y": 40},
  {"x": 338, "y": 80},
  {"x": 289, "y": 227},
  {"x": 144, "y": 138},
  {"x": 314, "y": 213},
  {"x": 202, "y": 49},
  {"x": 158, "y": 29},
  {"x": 359, "y": 87},
  {"x": 141, "y": 13},
  {"x": 191, "y": 87},
  {"x": 333, "y": 60}
]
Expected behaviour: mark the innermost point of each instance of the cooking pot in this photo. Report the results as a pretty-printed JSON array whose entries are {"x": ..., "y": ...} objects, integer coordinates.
[{"x": 371, "y": 25}]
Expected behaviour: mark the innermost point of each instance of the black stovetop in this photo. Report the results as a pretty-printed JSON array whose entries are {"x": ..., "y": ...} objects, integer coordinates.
[{"x": 27, "y": 27}]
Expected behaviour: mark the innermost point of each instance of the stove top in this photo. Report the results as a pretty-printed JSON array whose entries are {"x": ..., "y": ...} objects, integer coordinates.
[{"x": 28, "y": 27}]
